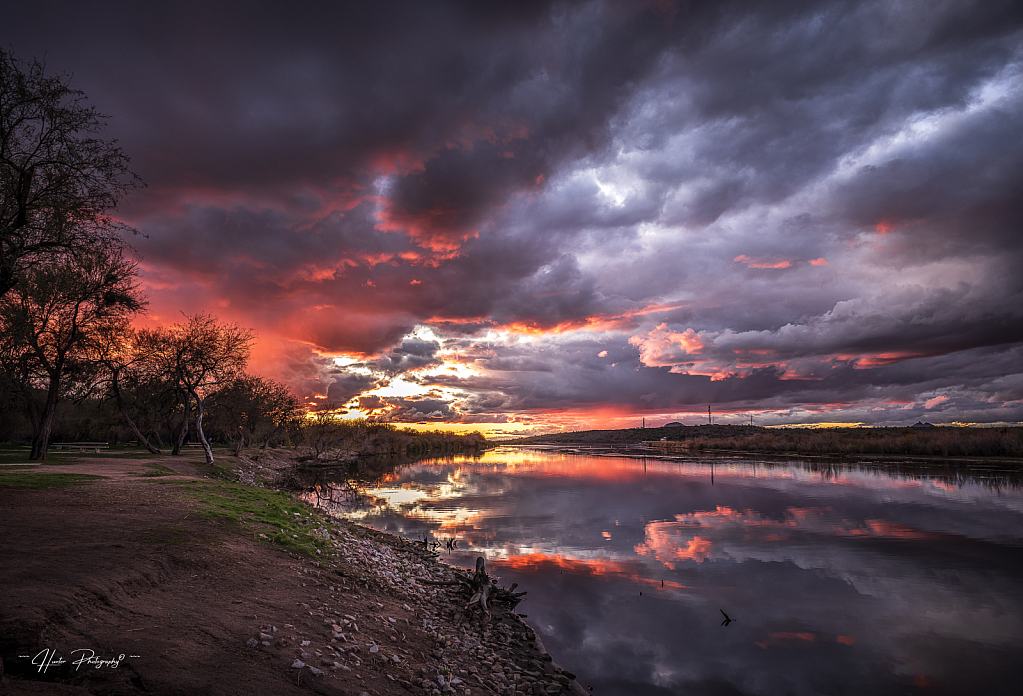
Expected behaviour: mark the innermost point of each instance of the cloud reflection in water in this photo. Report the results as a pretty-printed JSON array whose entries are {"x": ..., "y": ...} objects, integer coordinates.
[{"x": 847, "y": 581}]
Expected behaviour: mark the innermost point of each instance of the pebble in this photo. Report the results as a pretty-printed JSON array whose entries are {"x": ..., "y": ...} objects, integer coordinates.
[{"x": 298, "y": 664}]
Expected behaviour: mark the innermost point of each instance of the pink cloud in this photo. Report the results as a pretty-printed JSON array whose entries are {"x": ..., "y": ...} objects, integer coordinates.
[{"x": 762, "y": 263}]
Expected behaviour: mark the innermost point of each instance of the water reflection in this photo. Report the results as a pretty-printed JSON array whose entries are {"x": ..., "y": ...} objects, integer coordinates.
[{"x": 839, "y": 579}]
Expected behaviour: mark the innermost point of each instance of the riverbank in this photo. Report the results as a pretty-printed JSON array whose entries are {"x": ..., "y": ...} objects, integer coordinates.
[
  {"x": 212, "y": 587},
  {"x": 941, "y": 442}
]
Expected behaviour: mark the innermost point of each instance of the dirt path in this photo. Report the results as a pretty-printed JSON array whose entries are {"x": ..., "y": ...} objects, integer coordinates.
[{"x": 120, "y": 566}]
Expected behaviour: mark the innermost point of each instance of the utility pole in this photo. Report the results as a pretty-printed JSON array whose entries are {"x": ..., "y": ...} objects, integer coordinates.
[
  {"x": 644, "y": 423},
  {"x": 710, "y": 420}
]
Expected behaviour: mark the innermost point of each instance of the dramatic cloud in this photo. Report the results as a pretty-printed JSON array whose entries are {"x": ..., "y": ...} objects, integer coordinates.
[{"x": 580, "y": 213}]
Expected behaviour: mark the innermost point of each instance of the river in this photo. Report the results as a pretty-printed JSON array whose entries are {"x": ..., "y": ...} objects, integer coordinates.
[{"x": 837, "y": 578}]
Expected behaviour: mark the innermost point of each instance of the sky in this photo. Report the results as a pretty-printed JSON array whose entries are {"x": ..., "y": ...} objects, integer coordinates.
[{"x": 531, "y": 216}]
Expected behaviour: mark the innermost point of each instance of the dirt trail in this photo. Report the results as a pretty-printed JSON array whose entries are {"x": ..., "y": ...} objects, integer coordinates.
[{"x": 119, "y": 566}]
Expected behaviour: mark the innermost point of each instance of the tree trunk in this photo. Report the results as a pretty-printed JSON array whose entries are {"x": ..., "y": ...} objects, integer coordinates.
[
  {"x": 198, "y": 428},
  {"x": 138, "y": 433},
  {"x": 182, "y": 433},
  {"x": 124, "y": 412},
  {"x": 241, "y": 441},
  {"x": 41, "y": 437}
]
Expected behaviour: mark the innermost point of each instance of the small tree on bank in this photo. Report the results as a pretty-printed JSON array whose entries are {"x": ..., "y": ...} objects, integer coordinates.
[{"x": 201, "y": 356}]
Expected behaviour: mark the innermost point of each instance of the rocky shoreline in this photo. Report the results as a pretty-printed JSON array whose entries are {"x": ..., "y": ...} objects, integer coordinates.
[{"x": 465, "y": 653}]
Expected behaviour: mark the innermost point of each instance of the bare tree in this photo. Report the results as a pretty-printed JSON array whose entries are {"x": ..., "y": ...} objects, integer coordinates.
[
  {"x": 201, "y": 355},
  {"x": 58, "y": 182},
  {"x": 51, "y": 322},
  {"x": 128, "y": 364},
  {"x": 256, "y": 408}
]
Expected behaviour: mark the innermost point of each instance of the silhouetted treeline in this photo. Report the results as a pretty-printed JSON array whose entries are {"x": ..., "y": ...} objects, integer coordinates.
[
  {"x": 934, "y": 442},
  {"x": 327, "y": 439},
  {"x": 631, "y": 436}
]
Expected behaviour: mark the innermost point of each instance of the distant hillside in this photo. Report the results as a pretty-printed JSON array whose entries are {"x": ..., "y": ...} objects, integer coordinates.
[
  {"x": 637, "y": 435},
  {"x": 930, "y": 442}
]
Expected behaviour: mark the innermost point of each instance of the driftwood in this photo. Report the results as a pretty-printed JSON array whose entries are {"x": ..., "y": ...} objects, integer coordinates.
[{"x": 482, "y": 589}]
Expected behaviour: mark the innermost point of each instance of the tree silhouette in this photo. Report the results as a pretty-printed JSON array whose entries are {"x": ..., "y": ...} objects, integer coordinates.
[
  {"x": 52, "y": 321},
  {"x": 201, "y": 355},
  {"x": 59, "y": 183}
]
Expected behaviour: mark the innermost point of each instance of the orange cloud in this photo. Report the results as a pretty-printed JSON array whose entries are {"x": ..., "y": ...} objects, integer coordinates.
[
  {"x": 594, "y": 567},
  {"x": 657, "y": 347}
]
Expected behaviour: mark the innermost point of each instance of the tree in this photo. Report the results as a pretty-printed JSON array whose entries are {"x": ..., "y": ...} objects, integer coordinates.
[
  {"x": 129, "y": 365},
  {"x": 59, "y": 183},
  {"x": 51, "y": 322},
  {"x": 201, "y": 356},
  {"x": 255, "y": 407}
]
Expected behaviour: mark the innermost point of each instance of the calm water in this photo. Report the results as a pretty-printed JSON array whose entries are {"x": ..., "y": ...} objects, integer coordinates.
[{"x": 841, "y": 581}]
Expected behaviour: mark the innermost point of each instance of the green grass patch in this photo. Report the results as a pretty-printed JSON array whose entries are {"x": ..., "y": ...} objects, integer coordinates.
[
  {"x": 155, "y": 470},
  {"x": 286, "y": 521},
  {"x": 14, "y": 456},
  {"x": 129, "y": 454},
  {"x": 44, "y": 480}
]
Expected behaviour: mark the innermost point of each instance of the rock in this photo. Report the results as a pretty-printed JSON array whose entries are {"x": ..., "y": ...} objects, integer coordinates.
[
  {"x": 297, "y": 664},
  {"x": 252, "y": 642},
  {"x": 316, "y": 672},
  {"x": 306, "y": 656},
  {"x": 265, "y": 636}
]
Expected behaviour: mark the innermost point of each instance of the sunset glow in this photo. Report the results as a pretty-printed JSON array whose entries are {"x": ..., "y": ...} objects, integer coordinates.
[{"x": 582, "y": 215}]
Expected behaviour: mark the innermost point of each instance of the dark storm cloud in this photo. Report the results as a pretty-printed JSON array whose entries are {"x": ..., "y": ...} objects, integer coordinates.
[
  {"x": 830, "y": 186},
  {"x": 413, "y": 354},
  {"x": 348, "y": 384}
]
